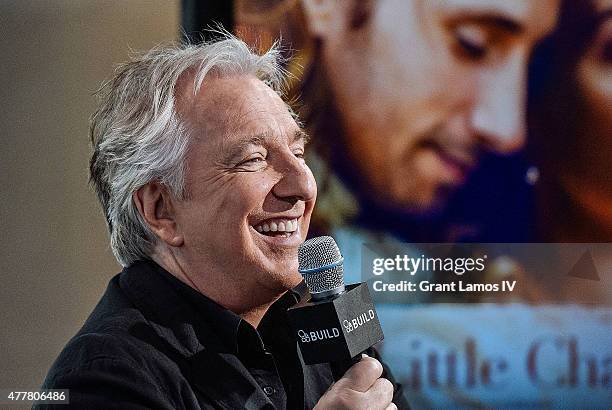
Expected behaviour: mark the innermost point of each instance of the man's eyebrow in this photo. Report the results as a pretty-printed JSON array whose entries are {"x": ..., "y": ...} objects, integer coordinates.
[
  {"x": 503, "y": 22},
  {"x": 232, "y": 152},
  {"x": 491, "y": 19},
  {"x": 302, "y": 135}
]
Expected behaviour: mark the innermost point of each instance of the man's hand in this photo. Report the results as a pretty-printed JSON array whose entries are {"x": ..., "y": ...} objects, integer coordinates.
[{"x": 361, "y": 387}]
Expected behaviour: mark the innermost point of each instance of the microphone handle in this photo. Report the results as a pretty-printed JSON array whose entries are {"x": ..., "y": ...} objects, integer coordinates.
[{"x": 340, "y": 367}]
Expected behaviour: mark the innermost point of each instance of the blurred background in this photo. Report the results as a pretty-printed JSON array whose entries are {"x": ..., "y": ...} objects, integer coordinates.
[{"x": 56, "y": 259}]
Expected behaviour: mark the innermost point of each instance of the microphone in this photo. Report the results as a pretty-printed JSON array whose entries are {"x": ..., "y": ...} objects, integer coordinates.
[{"x": 339, "y": 321}]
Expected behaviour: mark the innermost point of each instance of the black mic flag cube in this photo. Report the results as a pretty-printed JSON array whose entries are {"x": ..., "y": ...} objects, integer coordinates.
[{"x": 336, "y": 329}]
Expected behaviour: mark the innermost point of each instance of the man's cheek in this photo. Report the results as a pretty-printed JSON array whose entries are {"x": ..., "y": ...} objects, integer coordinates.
[
  {"x": 261, "y": 184},
  {"x": 232, "y": 197}
]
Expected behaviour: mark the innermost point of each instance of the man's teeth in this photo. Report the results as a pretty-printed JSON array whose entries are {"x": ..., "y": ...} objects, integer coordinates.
[{"x": 281, "y": 225}]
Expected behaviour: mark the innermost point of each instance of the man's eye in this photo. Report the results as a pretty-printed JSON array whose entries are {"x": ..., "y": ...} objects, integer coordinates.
[
  {"x": 299, "y": 154},
  {"x": 252, "y": 161},
  {"x": 471, "y": 42}
]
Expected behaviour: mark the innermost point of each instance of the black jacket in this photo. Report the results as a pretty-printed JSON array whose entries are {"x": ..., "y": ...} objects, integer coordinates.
[{"x": 147, "y": 346}]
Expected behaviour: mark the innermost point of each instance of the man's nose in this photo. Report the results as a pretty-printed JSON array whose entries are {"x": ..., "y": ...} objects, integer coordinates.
[
  {"x": 297, "y": 182},
  {"x": 498, "y": 116}
]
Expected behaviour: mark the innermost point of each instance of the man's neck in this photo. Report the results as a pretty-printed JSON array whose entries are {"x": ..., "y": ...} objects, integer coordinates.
[
  {"x": 254, "y": 316},
  {"x": 249, "y": 306}
]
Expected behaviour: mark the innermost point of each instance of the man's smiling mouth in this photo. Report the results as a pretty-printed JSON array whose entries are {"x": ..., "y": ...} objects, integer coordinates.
[{"x": 277, "y": 227}]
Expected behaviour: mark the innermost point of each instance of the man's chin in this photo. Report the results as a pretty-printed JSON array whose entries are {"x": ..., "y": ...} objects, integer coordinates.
[
  {"x": 423, "y": 203},
  {"x": 435, "y": 204},
  {"x": 280, "y": 282}
]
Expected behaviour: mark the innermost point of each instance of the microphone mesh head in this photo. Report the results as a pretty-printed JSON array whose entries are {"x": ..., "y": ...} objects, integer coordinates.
[{"x": 316, "y": 253}]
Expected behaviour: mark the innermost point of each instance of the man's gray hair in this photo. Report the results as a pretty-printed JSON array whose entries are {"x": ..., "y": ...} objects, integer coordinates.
[{"x": 138, "y": 136}]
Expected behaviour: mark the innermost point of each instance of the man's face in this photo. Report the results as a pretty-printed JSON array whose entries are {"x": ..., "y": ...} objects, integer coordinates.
[
  {"x": 424, "y": 87},
  {"x": 245, "y": 175}
]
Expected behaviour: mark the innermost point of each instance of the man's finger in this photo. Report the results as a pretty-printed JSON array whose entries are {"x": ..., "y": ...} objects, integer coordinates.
[
  {"x": 381, "y": 393},
  {"x": 362, "y": 375}
]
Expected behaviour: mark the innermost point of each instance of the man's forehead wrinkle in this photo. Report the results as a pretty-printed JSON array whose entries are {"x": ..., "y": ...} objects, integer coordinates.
[
  {"x": 213, "y": 95},
  {"x": 214, "y": 113},
  {"x": 245, "y": 114},
  {"x": 256, "y": 119},
  {"x": 233, "y": 115},
  {"x": 224, "y": 104},
  {"x": 194, "y": 102}
]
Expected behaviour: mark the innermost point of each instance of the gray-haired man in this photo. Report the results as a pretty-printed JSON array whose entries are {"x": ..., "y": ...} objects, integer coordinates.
[{"x": 198, "y": 164}]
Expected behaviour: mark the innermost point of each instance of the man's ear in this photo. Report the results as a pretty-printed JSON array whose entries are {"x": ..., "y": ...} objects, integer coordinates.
[
  {"x": 156, "y": 206},
  {"x": 325, "y": 16}
]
